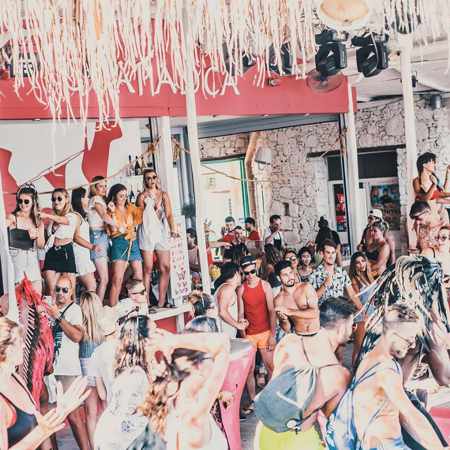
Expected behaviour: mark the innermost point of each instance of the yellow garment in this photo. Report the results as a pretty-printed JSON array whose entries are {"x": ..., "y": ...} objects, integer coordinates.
[
  {"x": 266, "y": 439},
  {"x": 127, "y": 221}
]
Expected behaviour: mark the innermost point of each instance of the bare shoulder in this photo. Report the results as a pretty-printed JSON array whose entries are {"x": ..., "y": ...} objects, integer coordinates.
[{"x": 266, "y": 285}]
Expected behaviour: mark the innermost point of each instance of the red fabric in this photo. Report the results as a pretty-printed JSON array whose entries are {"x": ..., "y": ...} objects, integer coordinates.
[
  {"x": 255, "y": 309},
  {"x": 42, "y": 343},
  {"x": 210, "y": 257},
  {"x": 254, "y": 236},
  {"x": 441, "y": 416},
  {"x": 229, "y": 237}
]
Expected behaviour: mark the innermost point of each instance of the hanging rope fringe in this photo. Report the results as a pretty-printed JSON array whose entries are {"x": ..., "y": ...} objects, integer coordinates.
[{"x": 96, "y": 46}]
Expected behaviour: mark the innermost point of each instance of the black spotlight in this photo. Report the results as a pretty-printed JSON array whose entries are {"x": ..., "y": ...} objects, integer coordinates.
[
  {"x": 332, "y": 54},
  {"x": 372, "y": 56}
]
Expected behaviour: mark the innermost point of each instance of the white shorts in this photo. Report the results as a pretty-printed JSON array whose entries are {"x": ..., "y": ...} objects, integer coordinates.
[
  {"x": 83, "y": 261},
  {"x": 25, "y": 262},
  {"x": 147, "y": 244}
]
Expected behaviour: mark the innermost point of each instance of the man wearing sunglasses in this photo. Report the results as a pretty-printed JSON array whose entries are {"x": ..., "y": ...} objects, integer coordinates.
[
  {"x": 67, "y": 329},
  {"x": 136, "y": 301},
  {"x": 375, "y": 407},
  {"x": 255, "y": 304}
]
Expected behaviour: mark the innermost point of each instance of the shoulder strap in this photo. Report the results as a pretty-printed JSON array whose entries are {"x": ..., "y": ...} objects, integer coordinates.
[{"x": 65, "y": 309}]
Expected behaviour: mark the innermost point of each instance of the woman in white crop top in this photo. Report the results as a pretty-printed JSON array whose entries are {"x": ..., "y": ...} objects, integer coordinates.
[
  {"x": 98, "y": 219},
  {"x": 185, "y": 386},
  {"x": 62, "y": 231}
]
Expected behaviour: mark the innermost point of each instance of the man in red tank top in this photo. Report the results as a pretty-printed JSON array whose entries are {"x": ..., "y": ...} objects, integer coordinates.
[{"x": 255, "y": 304}]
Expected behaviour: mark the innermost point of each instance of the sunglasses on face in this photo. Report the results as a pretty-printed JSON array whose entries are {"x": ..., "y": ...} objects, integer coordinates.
[
  {"x": 57, "y": 199},
  {"x": 291, "y": 258},
  {"x": 138, "y": 293},
  {"x": 249, "y": 272},
  {"x": 64, "y": 290},
  {"x": 24, "y": 201},
  {"x": 151, "y": 177}
]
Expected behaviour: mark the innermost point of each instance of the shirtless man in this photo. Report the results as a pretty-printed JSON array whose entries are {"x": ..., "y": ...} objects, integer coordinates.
[
  {"x": 296, "y": 303},
  {"x": 441, "y": 254},
  {"x": 226, "y": 298},
  {"x": 311, "y": 378},
  {"x": 376, "y": 400},
  {"x": 426, "y": 224}
]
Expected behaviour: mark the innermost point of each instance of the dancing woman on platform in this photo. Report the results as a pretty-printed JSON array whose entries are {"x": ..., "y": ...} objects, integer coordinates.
[
  {"x": 158, "y": 226},
  {"x": 26, "y": 235},
  {"x": 98, "y": 220},
  {"x": 124, "y": 245}
]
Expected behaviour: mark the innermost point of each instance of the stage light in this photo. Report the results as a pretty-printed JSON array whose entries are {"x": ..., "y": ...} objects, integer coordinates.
[
  {"x": 331, "y": 56},
  {"x": 372, "y": 56}
]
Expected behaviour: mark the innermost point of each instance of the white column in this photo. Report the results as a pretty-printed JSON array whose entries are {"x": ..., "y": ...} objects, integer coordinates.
[
  {"x": 354, "y": 206},
  {"x": 7, "y": 269},
  {"x": 166, "y": 171},
  {"x": 195, "y": 154},
  {"x": 406, "y": 44}
]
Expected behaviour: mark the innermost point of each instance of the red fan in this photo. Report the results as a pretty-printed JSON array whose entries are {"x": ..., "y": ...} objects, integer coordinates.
[{"x": 322, "y": 83}]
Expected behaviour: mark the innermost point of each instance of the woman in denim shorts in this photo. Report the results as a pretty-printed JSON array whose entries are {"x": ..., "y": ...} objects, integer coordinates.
[
  {"x": 124, "y": 245},
  {"x": 98, "y": 220}
]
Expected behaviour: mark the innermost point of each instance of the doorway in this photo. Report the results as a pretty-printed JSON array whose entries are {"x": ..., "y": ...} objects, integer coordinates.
[{"x": 225, "y": 192}]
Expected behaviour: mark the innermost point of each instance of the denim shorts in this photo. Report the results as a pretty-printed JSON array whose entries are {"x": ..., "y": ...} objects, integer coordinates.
[
  {"x": 124, "y": 250},
  {"x": 99, "y": 237}
]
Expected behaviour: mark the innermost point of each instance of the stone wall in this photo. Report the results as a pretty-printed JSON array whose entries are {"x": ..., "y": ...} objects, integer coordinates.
[
  {"x": 299, "y": 184},
  {"x": 224, "y": 146}
]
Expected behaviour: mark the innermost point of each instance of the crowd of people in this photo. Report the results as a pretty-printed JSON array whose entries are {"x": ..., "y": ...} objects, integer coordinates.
[{"x": 86, "y": 351}]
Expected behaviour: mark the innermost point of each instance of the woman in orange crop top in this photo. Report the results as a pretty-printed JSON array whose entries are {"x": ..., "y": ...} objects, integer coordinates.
[{"x": 124, "y": 245}]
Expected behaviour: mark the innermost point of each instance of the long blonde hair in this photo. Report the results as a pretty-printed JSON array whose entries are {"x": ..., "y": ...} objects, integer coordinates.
[
  {"x": 68, "y": 207},
  {"x": 7, "y": 328},
  {"x": 92, "y": 309}
]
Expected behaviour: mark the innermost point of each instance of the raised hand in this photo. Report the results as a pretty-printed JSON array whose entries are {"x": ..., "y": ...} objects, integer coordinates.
[{"x": 76, "y": 394}]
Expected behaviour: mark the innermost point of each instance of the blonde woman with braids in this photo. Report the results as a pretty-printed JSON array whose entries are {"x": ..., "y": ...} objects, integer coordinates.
[
  {"x": 121, "y": 422},
  {"x": 184, "y": 386},
  {"x": 92, "y": 309},
  {"x": 21, "y": 425}
]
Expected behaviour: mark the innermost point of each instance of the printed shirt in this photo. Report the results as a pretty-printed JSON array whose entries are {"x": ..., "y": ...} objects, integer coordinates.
[{"x": 341, "y": 280}]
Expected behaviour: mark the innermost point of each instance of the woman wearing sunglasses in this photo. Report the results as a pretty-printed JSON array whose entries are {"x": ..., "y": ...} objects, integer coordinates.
[
  {"x": 441, "y": 254},
  {"x": 26, "y": 235},
  {"x": 291, "y": 257},
  {"x": 124, "y": 245},
  {"x": 158, "y": 226},
  {"x": 62, "y": 227}
]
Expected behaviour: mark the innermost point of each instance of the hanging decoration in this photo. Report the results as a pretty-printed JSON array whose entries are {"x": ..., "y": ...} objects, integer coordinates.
[{"x": 73, "y": 53}]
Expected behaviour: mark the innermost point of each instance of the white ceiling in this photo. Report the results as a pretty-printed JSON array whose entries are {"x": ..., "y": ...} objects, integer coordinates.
[{"x": 430, "y": 63}]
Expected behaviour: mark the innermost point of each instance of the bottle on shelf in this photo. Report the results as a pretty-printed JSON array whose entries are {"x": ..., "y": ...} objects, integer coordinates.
[
  {"x": 137, "y": 167},
  {"x": 143, "y": 163},
  {"x": 131, "y": 197},
  {"x": 130, "y": 166}
]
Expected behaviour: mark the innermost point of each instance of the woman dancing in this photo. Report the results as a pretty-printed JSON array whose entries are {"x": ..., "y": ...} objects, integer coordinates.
[
  {"x": 26, "y": 235},
  {"x": 21, "y": 425},
  {"x": 185, "y": 383},
  {"x": 124, "y": 245},
  {"x": 158, "y": 226}
]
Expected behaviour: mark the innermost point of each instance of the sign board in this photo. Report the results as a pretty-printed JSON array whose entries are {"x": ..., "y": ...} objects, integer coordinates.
[{"x": 180, "y": 276}]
